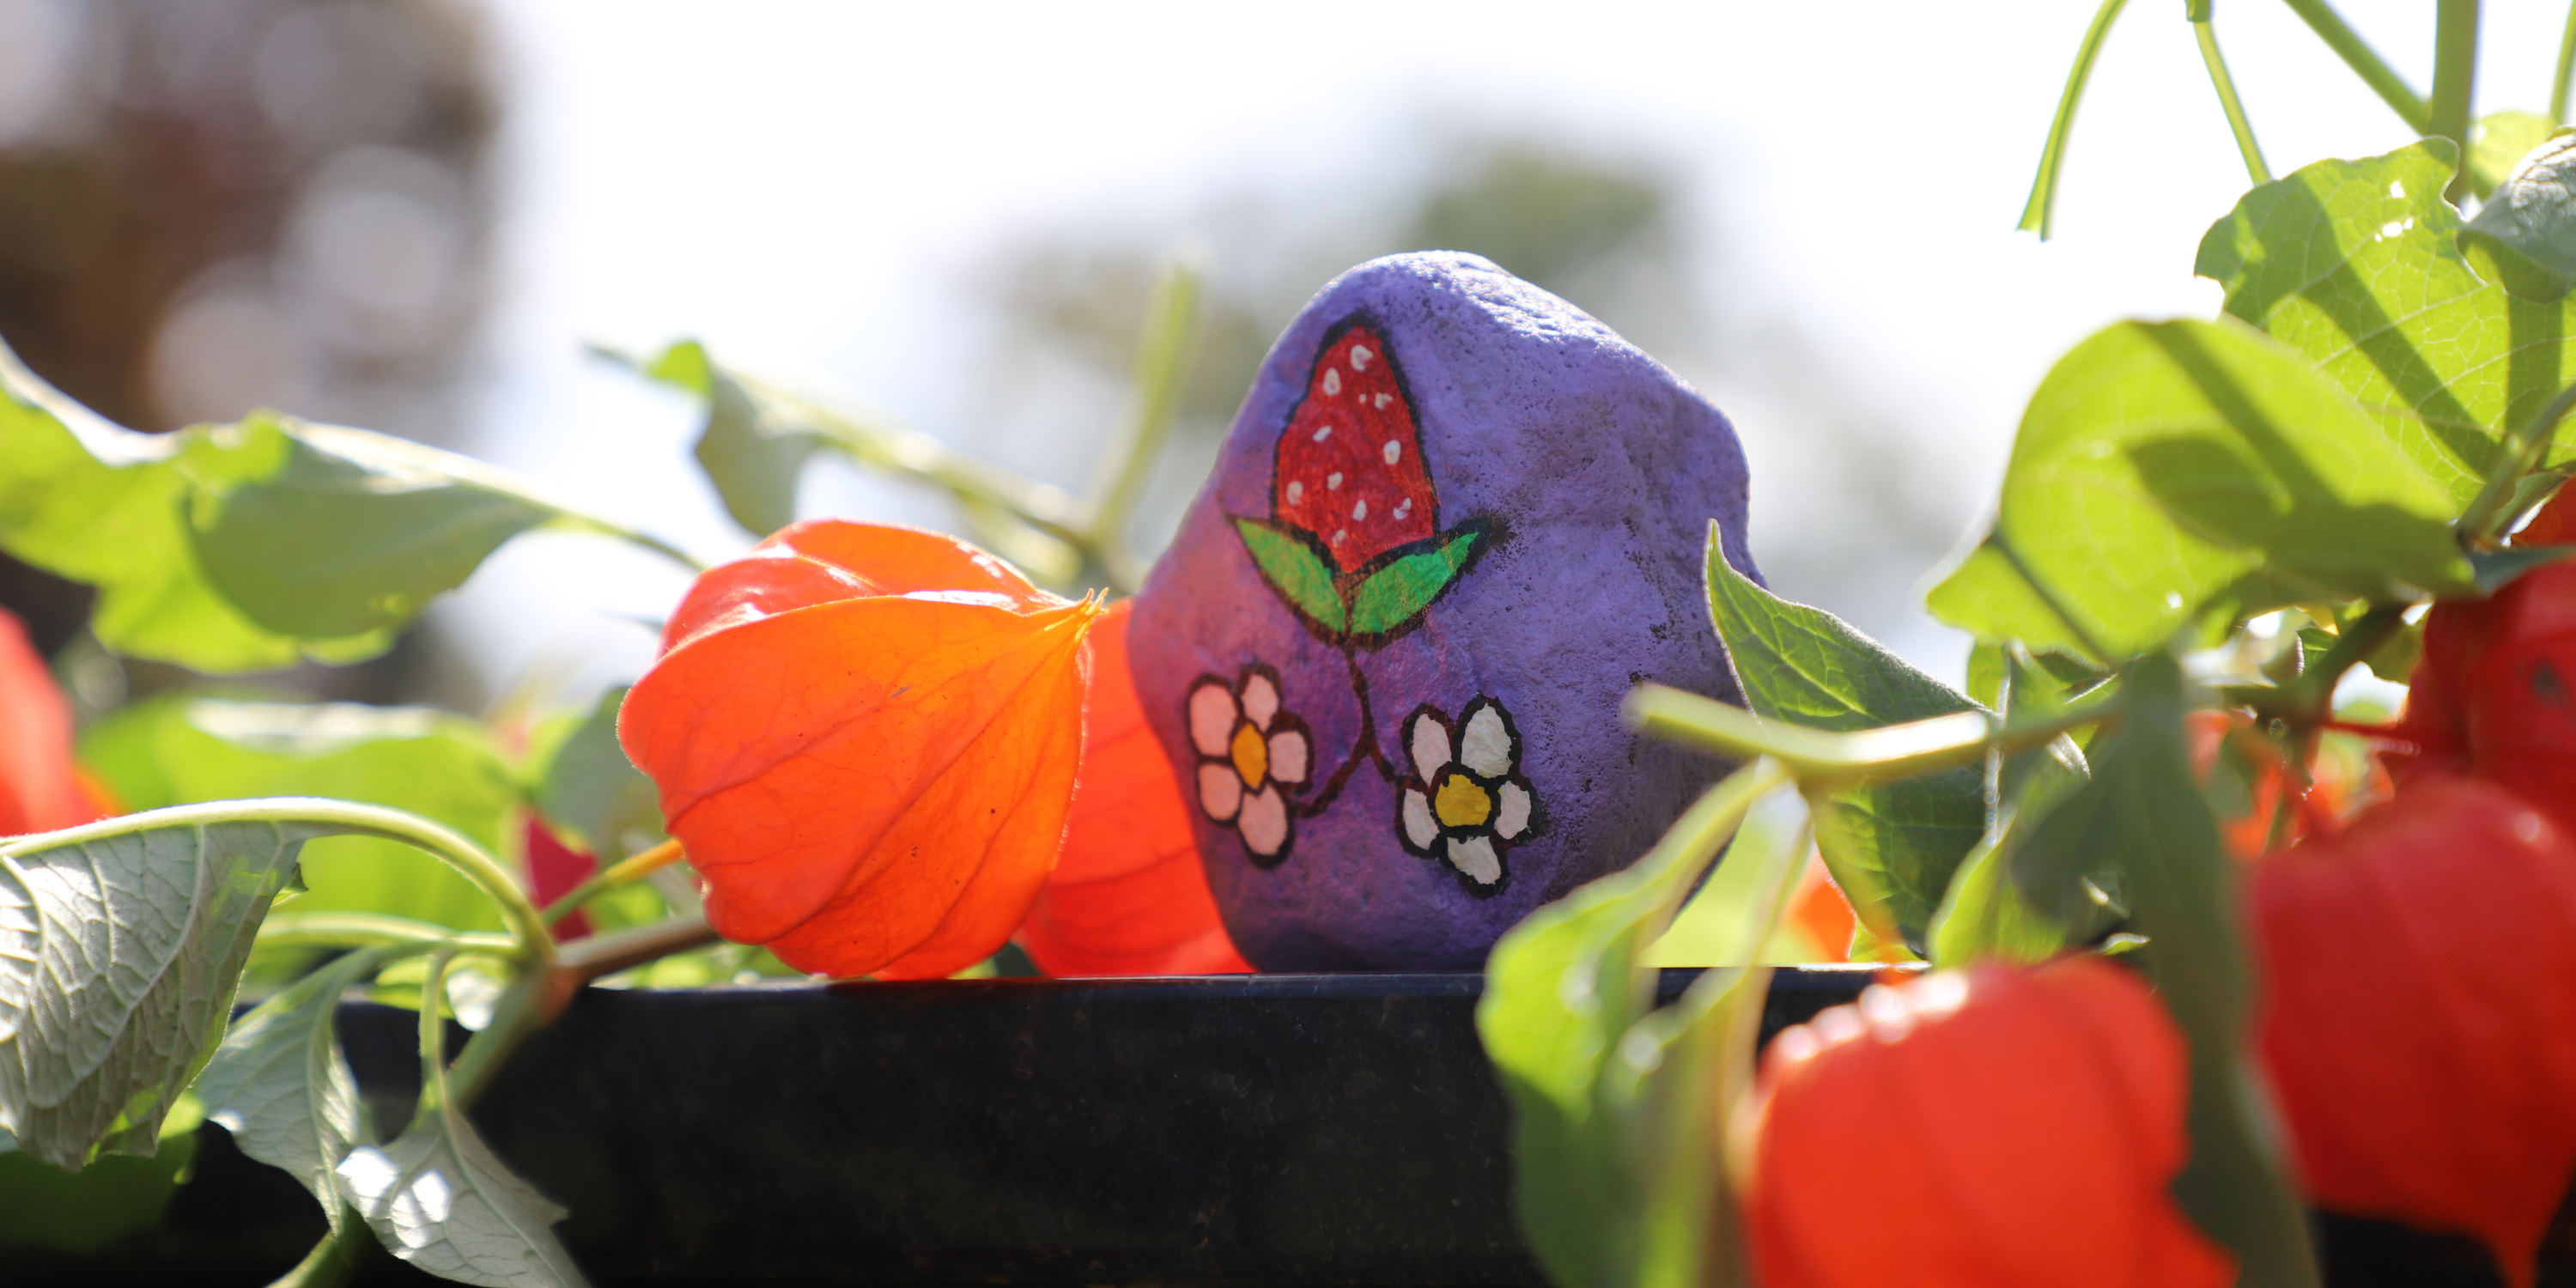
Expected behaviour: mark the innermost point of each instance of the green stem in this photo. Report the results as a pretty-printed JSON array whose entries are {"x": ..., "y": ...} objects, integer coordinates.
[
  {"x": 2455, "y": 71},
  {"x": 527, "y": 929},
  {"x": 2207, "y": 35},
  {"x": 1822, "y": 760},
  {"x": 1162, "y": 371},
  {"x": 633, "y": 867},
  {"x": 2566, "y": 69},
  {"x": 369, "y": 930},
  {"x": 2523, "y": 453},
  {"x": 610, "y": 953},
  {"x": 2365, "y": 62},
  {"x": 2038, "y": 215}
]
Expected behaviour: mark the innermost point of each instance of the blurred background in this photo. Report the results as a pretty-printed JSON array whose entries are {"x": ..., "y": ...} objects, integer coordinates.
[{"x": 414, "y": 215}]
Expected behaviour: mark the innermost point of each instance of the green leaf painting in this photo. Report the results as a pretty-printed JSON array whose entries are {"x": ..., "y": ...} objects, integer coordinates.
[
  {"x": 1298, "y": 571},
  {"x": 1390, "y": 598},
  {"x": 2358, "y": 266},
  {"x": 120, "y": 946},
  {"x": 1891, "y": 846},
  {"x": 441, "y": 766},
  {"x": 2186, "y": 474}
]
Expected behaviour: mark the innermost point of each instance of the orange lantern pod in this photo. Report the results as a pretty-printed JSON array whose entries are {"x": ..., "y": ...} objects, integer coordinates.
[
  {"x": 2038, "y": 1113},
  {"x": 2420, "y": 1012},
  {"x": 866, "y": 738},
  {"x": 40, "y": 789},
  {"x": 2495, "y": 691},
  {"x": 1129, "y": 896}
]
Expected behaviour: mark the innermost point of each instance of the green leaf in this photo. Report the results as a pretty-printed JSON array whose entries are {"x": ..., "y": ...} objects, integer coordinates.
[
  {"x": 1565, "y": 990},
  {"x": 121, "y": 944},
  {"x": 83, "y": 1212},
  {"x": 280, "y": 1085},
  {"x": 1393, "y": 596},
  {"x": 2358, "y": 266},
  {"x": 2142, "y": 813},
  {"x": 589, "y": 786},
  {"x": 2496, "y": 569},
  {"x": 350, "y": 533},
  {"x": 1891, "y": 846},
  {"x": 438, "y": 1197},
  {"x": 246, "y": 547},
  {"x": 2181, "y": 474},
  {"x": 753, "y": 459},
  {"x": 1984, "y": 914},
  {"x": 2499, "y": 143},
  {"x": 181, "y": 750},
  {"x": 1302, "y": 574}
]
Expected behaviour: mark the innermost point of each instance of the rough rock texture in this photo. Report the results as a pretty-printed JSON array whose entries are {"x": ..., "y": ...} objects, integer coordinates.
[{"x": 1402, "y": 736}]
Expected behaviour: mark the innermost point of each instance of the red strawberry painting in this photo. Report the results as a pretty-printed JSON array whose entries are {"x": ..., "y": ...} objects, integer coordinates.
[
  {"x": 1353, "y": 541},
  {"x": 1350, "y": 463}
]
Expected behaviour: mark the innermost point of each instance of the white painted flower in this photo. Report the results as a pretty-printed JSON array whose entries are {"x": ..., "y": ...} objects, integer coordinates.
[
  {"x": 1467, "y": 801},
  {"x": 1249, "y": 752}
]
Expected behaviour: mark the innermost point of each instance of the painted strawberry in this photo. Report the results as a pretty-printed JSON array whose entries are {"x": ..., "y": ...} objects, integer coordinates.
[
  {"x": 1351, "y": 540},
  {"x": 1350, "y": 468}
]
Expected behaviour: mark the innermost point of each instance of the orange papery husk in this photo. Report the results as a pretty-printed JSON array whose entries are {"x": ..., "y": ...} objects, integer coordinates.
[
  {"x": 1129, "y": 895},
  {"x": 1819, "y": 910},
  {"x": 2032, "y": 1116},
  {"x": 40, "y": 790},
  {"x": 866, "y": 738},
  {"x": 2419, "y": 1012}
]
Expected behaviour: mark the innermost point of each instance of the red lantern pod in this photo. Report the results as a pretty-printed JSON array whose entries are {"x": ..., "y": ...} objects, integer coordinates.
[
  {"x": 2420, "y": 1012},
  {"x": 2495, "y": 691},
  {"x": 2034, "y": 1116}
]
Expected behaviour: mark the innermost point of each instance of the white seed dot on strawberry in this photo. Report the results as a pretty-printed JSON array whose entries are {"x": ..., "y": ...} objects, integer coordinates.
[
  {"x": 1332, "y": 380},
  {"x": 1324, "y": 433},
  {"x": 1360, "y": 511},
  {"x": 1333, "y": 481},
  {"x": 1382, "y": 401},
  {"x": 1393, "y": 451},
  {"x": 1296, "y": 492},
  {"x": 1360, "y": 359},
  {"x": 1337, "y": 537}
]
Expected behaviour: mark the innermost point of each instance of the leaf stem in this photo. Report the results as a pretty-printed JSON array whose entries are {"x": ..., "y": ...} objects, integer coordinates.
[
  {"x": 2566, "y": 69},
  {"x": 370, "y": 930},
  {"x": 1821, "y": 760},
  {"x": 2523, "y": 453},
  {"x": 2038, "y": 215},
  {"x": 633, "y": 867},
  {"x": 610, "y": 953},
  {"x": 2207, "y": 35},
  {"x": 527, "y": 929},
  {"x": 1162, "y": 372},
  {"x": 2455, "y": 71},
  {"x": 2365, "y": 62}
]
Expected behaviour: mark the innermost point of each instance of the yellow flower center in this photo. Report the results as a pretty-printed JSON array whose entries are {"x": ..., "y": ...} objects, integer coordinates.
[
  {"x": 1460, "y": 802},
  {"x": 1251, "y": 754}
]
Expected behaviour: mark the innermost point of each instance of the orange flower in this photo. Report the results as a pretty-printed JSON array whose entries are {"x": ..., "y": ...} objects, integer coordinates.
[
  {"x": 2036, "y": 1114},
  {"x": 1129, "y": 896},
  {"x": 866, "y": 737},
  {"x": 2420, "y": 1012},
  {"x": 40, "y": 790}
]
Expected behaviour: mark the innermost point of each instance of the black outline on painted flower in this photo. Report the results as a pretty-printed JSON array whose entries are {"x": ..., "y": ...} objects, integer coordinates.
[
  {"x": 1466, "y": 802},
  {"x": 1261, "y": 750}
]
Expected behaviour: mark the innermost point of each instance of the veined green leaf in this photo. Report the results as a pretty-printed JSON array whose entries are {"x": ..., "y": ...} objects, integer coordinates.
[
  {"x": 246, "y": 547},
  {"x": 1297, "y": 572},
  {"x": 180, "y": 750},
  {"x": 2358, "y": 266},
  {"x": 2499, "y": 143},
  {"x": 346, "y": 533},
  {"x": 2176, "y": 474},
  {"x": 438, "y": 1197},
  {"x": 1984, "y": 914},
  {"x": 1891, "y": 846},
  {"x": 2143, "y": 815},
  {"x": 121, "y": 944},
  {"x": 1565, "y": 989},
  {"x": 1394, "y": 595},
  {"x": 280, "y": 1085},
  {"x": 754, "y": 460}
]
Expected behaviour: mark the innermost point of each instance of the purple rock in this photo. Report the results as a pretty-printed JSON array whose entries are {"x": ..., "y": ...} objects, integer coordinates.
[{"x": 1455, "y": 523}]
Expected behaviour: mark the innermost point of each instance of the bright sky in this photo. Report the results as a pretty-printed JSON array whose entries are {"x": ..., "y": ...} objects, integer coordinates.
[{"x": 803, "y": 184}]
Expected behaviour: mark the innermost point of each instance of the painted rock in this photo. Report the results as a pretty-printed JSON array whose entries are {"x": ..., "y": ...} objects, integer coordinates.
[{"x": 1456, "y": 521}]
